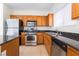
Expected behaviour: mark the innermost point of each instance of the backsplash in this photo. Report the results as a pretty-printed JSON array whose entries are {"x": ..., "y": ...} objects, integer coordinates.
[{"x": 70, "y": 29}]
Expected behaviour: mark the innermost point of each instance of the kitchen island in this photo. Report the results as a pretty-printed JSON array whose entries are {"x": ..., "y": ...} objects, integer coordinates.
[{"x": 10, "y": 47}]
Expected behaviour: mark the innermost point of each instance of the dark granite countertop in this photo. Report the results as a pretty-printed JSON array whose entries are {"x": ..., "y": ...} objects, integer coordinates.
[
  {"x": 74, "y": 36},
  {"x": 62, "y": 38},
  {"x": 39, "y": 31},
  {"x": 68, "y": 41},
  {"x": 9, "y": 38}
]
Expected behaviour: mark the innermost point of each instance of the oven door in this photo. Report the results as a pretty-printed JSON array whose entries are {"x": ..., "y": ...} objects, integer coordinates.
[{"x": 31, "y": 40}]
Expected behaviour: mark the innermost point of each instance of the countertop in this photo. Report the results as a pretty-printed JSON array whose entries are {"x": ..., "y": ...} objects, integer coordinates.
[
  {"x": 9, "y": 38},
  {"x": 66, "y": 40},
  {"x": 40, "y": 31},
  {"x": 71, "y": 42}
]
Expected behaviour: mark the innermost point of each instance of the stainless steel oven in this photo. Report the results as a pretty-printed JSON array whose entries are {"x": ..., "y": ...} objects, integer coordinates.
[{"x": 31, "y": 38}]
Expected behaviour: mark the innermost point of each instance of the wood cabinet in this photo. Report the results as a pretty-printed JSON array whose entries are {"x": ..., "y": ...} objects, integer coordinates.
[
  {"x": 23, "y": 38},
  {"x": 75, "y": 10},
  {"x": 41, "y": 20},
  {"x": 48, "y": 43},
  {"x": 72, "y": 51},
  {"x": 44, "y": 21},
  {"x": 50, "y": 19},
  {"x": 11, "y": 47},
  {"x": 40, "y": 38},
  {"x": 0, "y": 49}
]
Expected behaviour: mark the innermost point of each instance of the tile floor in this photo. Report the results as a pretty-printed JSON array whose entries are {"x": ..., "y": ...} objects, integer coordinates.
[{"x": 38, "y": 50}]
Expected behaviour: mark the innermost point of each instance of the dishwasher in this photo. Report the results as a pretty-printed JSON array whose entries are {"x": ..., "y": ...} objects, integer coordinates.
[{"x": 59, "y": 48}]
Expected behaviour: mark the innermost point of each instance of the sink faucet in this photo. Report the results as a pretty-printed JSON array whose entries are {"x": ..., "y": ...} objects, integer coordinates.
[{"x": 58, "y": 33}]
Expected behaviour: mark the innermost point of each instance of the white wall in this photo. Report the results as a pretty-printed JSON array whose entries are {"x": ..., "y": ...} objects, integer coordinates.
[
  {"x": 6, "y": 11},
  {"x": 1, "y": 23},
  {"x": 63, "y": 16},
  {"x": 64, "y": 22},
  {"x": 67, "y": 15},
  {"x": 71, "y": 28},
  {"x": 4, "y": 14},
  {"x": 23, "y": 12},
  {"x": 58, "y": 18}
]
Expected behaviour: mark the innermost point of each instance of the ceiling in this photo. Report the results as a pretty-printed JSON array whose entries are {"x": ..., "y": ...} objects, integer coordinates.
[
  {"x": 36, "y": 6},
  {"x": 30, "y": 6}
]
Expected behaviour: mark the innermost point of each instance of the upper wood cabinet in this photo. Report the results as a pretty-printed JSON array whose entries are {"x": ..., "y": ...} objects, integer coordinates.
[
  {"x": 75, "y": 10},
  {"x": 50, "y": 19},
  {"x": 72, "y": 52},
  {"x": 13, "y": 17},
  {"x": 41, "y": 20},
  {"x": 44, "y": 21}
]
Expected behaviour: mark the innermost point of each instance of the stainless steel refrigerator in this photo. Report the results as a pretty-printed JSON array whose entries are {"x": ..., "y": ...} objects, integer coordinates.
[{"x": 11, "y": 28}]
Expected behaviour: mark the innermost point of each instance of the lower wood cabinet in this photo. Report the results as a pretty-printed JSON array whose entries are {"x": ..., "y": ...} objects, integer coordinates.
[
  {"x": 23, "y": 38},
  {"x": 72, "y": 51},
  {"x": 11, "y": 47},
  {"x": 48, "y": 43},
  {"x": 40, "y": 38}
]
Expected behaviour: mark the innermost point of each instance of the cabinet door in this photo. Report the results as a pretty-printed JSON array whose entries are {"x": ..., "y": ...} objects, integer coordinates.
[
  {"x": 12, "y": 47},
  {"x": 44, "y": 21},
  {"x": 50, "y": 19},
  {"x": 23, "y": 38},
  {"x": 34, "y": 18},
  {"x": 44, "y": 38},
  {"x": 75, "y": 10},
  {"x": 48, "y": 43},
  {"x": 40, "y": 38},
  {"x": 24, "y": 19},
  {"x": 13, "y": 17},
  {"x": 72, "y": 52},
  {"x": 38, "y": 20}
]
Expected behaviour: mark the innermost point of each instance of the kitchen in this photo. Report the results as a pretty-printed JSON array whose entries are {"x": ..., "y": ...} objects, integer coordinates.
[{"x": 39, "y": 29}]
